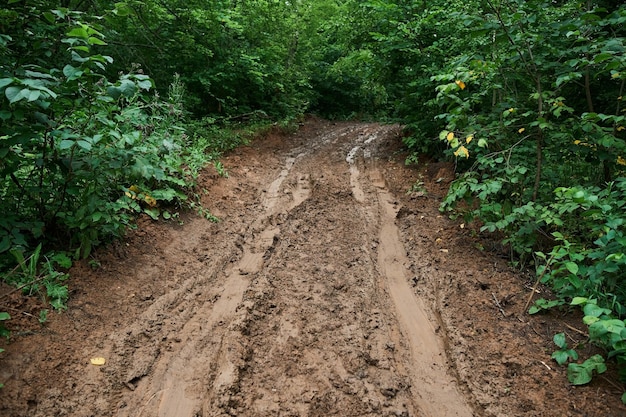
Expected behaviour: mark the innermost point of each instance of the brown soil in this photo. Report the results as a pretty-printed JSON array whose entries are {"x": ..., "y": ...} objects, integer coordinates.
[{"x": 330, "y": 286}]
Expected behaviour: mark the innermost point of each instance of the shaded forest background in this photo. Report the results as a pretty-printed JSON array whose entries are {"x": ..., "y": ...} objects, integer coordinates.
[{"x": 111, "y": 109}]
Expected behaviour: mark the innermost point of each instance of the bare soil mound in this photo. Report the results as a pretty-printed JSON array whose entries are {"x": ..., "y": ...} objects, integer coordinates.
[{"x": 330, "y": 286}]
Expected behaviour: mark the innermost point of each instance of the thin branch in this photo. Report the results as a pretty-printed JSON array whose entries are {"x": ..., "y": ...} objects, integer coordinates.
[{"x": 534, "y": 289}]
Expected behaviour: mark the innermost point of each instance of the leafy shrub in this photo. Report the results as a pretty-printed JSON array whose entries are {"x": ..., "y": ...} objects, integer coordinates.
[{"x": 80, "y": 155}]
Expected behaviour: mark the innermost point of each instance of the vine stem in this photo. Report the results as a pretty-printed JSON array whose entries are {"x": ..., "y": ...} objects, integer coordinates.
[{"x": 532, "y": 293}]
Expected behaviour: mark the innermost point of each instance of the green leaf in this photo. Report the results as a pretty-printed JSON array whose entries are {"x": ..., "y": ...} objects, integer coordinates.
[
  {"x": 578, "y": 301},
  {"x": 572, "y": 267},
  {"x": 4, "y": 316},
  {"x": 66, "y": 144},
  {"x": 152, "y": 212},
  {"x": 624, "y": 398},
  {"x": 145, "y": 84},
  {"x": 72, "y": 73},
  {"x": 33, "y": 95},
  {"x": 482, "y": 143},
  {"x": 5, "y": 244},
  {"x": 127, "y": 88},
  {"x": 559, "y": 340},
  {"x": 95, "y": 41},
  {"x": 78, "y": 33},
  {"x": 15, "y": 94},
  {"x": 589, "y": 320},
  {"x": 5, "y": 81},
  {"x": 560, "y": 356},
  {"x": 581, "y": 374},
  {"x": 594, "y": 310},
  {"x": 49, "y": 17},
  {"x": 84, "y": 145},
  {"x": 122, "y": 9}
]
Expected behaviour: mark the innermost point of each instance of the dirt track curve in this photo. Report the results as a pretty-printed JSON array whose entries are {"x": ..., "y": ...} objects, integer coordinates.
[{"x": 326, "y": 289}]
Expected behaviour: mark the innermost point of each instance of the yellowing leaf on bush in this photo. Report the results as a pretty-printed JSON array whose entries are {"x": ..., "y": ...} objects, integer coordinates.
[
  {"x": 134, "y": 188},
  {"x": 578, "y": 142},
  {"x": 469, "y": 138},
  {"x": 461, "y": 84},
  {"x": 620, "y": 128},
  {"x": 615, "y": 75},
  {"x": 450, "y": 136},
  {"x": 150, "y": 200},
  {"x": 462, "y": 151},
  {"x": 621, "y": 160},
  {"x": 97, "y": 361},
  {"x": 522, "y": 130}
]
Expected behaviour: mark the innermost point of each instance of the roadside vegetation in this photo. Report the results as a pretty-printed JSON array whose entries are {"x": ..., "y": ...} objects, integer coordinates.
[{"x": 111, "y": 109}]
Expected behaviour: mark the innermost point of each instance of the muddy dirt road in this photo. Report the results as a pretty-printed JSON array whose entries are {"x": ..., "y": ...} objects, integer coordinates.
[{"x": 330, "y": 287}]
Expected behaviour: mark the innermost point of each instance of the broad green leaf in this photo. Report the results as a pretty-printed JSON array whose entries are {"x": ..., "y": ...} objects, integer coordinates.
[
  {"x": 95, "y": 41},
  {"x": 84, "y": 145},
  {"x": 560, "y": 356},
  {"x": 127, "y": 88},
  {"x": 559, "y": 340},
  {"x": 72, "y": 73},
  {"x": 145, "y": 85},
  {"x": 78, "y": 33},
  {"x": 49, "y": 17},
  {"x": 572, "y": 267},
  {"x": 581, "y": 374},
  {"x": 114, "y": 92},
  {"x": 15, "y": 94},
  {"x": 33, "y": 95},
  {"x": 66, "y": 144},
  {"x": 5, "y": 81},
  {"x": 594, "y": 310},
  {"x": 4, "y": 316},
  {"x": 5, "y": 244},
  {"x": 153, "y": 213},
  {"x": 578, "y": 301},
  {"x": 122, "y": 9}
]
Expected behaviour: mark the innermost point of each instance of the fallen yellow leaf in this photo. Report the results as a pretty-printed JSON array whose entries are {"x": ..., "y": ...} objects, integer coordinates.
[
  {"x": 98, "y": 361},
  {"x": 521, "y": 130}
]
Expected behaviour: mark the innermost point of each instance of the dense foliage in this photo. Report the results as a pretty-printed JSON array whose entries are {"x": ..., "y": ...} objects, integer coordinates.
[{"x": 109, "y": 109}]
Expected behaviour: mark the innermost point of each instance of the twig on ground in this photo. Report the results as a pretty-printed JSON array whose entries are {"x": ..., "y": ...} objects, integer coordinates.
[
  {"x": 546, "y": 365},
  {"x": 495, "y": 299},
  {"x": 574, "y": 329}
]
